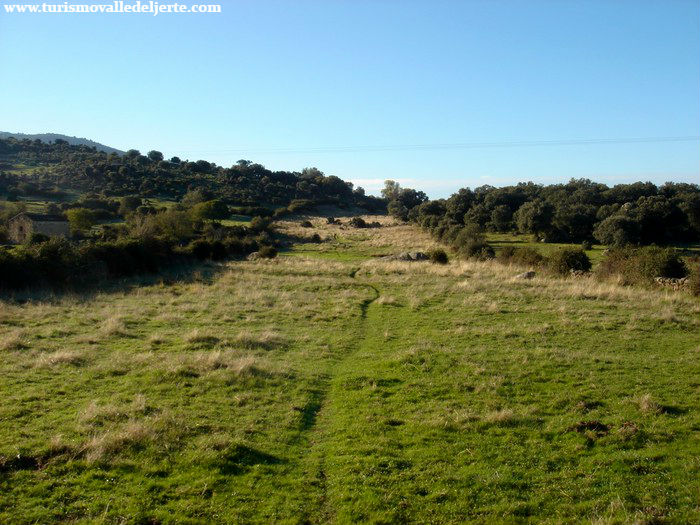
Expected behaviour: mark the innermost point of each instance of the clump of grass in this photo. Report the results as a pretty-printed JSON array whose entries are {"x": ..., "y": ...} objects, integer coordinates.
[
  {"x": 388, "y": 300},
  {"x": 60, "y": 357},
  {"x": 648, "y": 405},
  {"x": 503, "y": 416},
  {"x": 113, "y": 326},
  {"x": 200, "y": 338},
  {"x": 102, "y": 446},
  {"x": 17, "y": 340},
  {"x": 156, "y": 340},
  {"x": 265, "y": 340}
]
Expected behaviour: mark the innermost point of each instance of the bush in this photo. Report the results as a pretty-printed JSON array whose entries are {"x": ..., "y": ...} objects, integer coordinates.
[
  {"x": 565, "y": 260},
  {"x": 306, "y": 224},
  {"x": 268, "y": 252},
  {"x": 642, "y": 265},
  {"x": 358, "y": 222},
  {"x": 38, "y": 238},
  {"x": 438, "y": 256},
  {"x": 525, "y": 256},
  {"x": 259, "y": 224},
  {"x": 477, "y": 249},
  {"x": 200, "y": 248}
]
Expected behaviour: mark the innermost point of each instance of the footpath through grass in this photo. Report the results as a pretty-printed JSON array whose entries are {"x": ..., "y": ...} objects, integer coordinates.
[{"x": 354, "y": 390}]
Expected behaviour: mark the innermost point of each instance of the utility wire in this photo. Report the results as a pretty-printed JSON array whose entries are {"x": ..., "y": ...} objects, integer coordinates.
[{"x": 457, "y": 145}]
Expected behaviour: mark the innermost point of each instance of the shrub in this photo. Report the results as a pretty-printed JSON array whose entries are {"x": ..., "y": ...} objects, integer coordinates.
[
  {"x": 268, "y": 252},
  {"x": 306, "y": 224},
  {"x": 200, "y": 248},
  {"x": 477, "y": 249},
  {"x": 38, "y": 238},
  {"x": 642, "y": 265},
  {"x": 525, "y": 256},
  {"x": 238, "y": 247},
  {"x": 218, "y": 251},
  {"x": 438, "y": 256},
  {"x": 358, "y": 222},
  {"x": 565, "y": 260},
  {"x": 259, "y": 224}
]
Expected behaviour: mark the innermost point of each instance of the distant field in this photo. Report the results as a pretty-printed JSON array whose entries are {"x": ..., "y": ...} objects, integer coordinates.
[{"x": 331, "y": 386}]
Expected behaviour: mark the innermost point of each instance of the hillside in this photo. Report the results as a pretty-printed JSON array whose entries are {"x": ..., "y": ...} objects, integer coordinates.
[
  {"x": 30, "y": 169},
  {"x": 52, "y": 137},
  {"x": 333, "y": 386}
]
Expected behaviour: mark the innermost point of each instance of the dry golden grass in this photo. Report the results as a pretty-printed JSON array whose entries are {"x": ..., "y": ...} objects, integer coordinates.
[
  {"x": 647, "y": 404},
  {"x": 113, "y": 326},
  {"x": 265, "y": 340},
  {"x": 16, "y": 340},
  {"x": 60, "y": 357}
]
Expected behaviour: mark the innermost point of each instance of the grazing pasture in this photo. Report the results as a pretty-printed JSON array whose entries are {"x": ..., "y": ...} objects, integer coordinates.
[{"x": 330, "y": 385}]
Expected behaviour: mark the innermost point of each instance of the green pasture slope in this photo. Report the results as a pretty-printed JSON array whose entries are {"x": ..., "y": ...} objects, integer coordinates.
[{"x": 314, "y": 389}]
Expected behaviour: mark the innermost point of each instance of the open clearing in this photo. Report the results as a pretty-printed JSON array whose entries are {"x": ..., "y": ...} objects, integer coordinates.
[{"x": 330, "y": 386}]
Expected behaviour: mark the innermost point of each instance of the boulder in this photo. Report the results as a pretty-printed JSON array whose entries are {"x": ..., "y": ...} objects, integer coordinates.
[
  {"x": 253, "y": 256},
  {"x": 409, "y": 256}
]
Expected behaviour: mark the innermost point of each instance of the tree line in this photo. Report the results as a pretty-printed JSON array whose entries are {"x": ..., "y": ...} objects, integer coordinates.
[
  {"x": 58, "y": 168},
  {"x": 578, "y": 211}
]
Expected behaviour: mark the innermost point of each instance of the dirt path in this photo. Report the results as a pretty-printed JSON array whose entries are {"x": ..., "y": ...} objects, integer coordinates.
[{"x": 320, "y": 420}]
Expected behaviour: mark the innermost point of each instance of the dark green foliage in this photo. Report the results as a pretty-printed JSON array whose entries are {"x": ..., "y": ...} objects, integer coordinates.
[
  {"x": 214, "y": 209},
  {"x": 258, "y": 224},
  {"x": 617, "y": 230},
  {"x": 577, "y": 211},
  {"x": 642, "y": 265},
  {"x": 358, "y": 222},
  {"x": 38, "y": 238},
  {"x": 80, "y": 168},
  {"x": 268, "y": 252},
  {"x": 200, "y": 248},
  {"x": 525, "y": 256},
  {"x": 438, "y": 256},
  {"x": 565, "y": 260}
]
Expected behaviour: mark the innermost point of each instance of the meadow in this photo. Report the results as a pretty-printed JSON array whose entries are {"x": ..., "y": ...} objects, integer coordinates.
[{"x": 330, "y": 385}]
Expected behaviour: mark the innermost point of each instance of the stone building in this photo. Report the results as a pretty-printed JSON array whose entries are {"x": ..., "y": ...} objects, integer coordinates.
[{"x": 22, "y": 226}]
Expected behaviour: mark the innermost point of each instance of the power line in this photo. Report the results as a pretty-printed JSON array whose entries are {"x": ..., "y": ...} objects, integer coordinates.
[{"x": 457, "y": 145}]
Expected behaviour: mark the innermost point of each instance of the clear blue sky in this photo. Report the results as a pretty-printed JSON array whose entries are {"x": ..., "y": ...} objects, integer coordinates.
[{"x": 301, "y": 74}]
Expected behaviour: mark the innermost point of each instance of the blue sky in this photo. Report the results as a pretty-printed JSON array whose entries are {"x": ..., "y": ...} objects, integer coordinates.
[{"x": 271, "y": 81}]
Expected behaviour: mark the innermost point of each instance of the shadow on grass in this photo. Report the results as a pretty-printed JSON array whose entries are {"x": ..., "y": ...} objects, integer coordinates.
[
  {"x": 182, "y": 273},
  {"x": 240, "y": 458}
]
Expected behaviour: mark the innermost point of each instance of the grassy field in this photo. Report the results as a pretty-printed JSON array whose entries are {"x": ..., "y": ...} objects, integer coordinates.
[{"x": 332, "y": 386}]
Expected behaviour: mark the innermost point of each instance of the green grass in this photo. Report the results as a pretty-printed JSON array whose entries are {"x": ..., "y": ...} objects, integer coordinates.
[
  {"x": 346, "y": 389},
  {"x": 501, "y": 240}
]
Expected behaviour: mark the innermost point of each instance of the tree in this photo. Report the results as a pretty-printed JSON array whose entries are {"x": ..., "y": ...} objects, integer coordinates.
[
  {"x": 617, "y": 230},
  {"x": 155, "y": 156},
  {"x": 398, "y": 210},
  {"x": 535, "y": 217},
  {"x": 501, "y": 218},
  {"x": 214, "y": 209},
  {"x": 128, "y": 204},
  {"x": 80, "y": 219},
  {"x": 391, "y": 190}
]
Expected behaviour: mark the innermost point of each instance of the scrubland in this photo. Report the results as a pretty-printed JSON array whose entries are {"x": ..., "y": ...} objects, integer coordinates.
[{"x": 332, "y": 386}]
